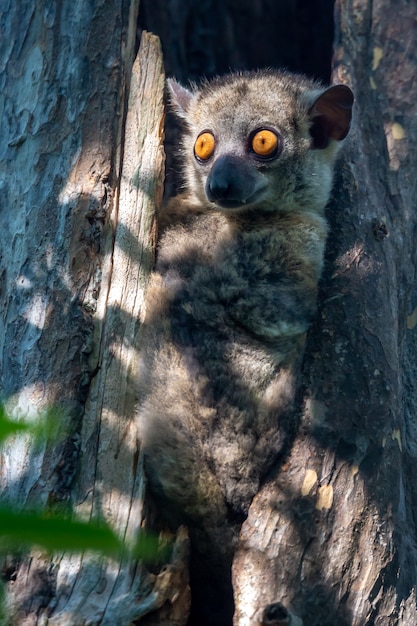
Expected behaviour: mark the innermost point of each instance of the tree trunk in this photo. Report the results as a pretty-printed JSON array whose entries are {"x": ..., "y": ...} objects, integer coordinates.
[
  {"x": 332, "y": 534},
  {"x": 77, "y": 241},
  {"x": 330, "y": 538}
]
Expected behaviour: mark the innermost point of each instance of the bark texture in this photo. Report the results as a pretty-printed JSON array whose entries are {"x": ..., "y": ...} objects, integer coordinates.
[
  {"x": 332, "y": 534},
  {"x": 331, "y": 537},
  {"x": 77, "y": 237}
]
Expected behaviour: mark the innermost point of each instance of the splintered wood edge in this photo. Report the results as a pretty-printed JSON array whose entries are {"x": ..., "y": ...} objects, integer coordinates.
[
  {"x": 140, "y": 194},
  {"x": 109, "y": 424},
  {"x": 141, "y": 187},
  {"x": 141, "y": 183}
]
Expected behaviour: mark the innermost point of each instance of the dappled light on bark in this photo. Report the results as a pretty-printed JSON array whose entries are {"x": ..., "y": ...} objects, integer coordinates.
[{"x": 330, "y": 537}]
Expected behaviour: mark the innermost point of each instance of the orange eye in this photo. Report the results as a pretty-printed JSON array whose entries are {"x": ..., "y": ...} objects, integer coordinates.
[
  {"x": 265, "y": 143},
  {"x": 204, "y": 146}
]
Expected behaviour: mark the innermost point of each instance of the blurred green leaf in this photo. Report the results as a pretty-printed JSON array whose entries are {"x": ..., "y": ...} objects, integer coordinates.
[
  {"x": 55, "y": 533},
  {"x": 149, "y": 549},
  {"x": 44, "y": 427},
  {"x": 9, "y": 427}
]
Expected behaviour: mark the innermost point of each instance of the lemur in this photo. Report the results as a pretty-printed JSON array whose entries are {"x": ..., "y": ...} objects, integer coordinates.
[{"x": 231, "y": 298}]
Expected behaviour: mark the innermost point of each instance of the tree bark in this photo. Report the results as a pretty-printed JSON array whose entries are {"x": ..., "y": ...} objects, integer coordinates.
[
  {"x": 330, "y": 539},
  {"x": 81, "y": 180},
  {"x": 332, "y": 534}
]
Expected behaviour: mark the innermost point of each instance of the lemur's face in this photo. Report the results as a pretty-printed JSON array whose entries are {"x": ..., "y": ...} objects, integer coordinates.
[{"x": 262, "y": 140}]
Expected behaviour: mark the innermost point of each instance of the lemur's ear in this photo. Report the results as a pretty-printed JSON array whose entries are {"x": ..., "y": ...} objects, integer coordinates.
[
  {"x": 180, "y": 97},
  {"x": 331, "y": 115}
]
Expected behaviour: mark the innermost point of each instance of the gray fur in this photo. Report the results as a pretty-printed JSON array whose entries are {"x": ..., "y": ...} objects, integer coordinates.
[{"x": 232, "y": 296}]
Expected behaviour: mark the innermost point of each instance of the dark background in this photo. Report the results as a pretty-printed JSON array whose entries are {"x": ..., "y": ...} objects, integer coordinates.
[
  {"x": 202, "y": 38},
  {"x": 208, "y": 37}
]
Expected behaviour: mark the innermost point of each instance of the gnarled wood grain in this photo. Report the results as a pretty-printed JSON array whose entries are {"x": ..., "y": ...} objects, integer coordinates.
[
  {"x": 82, "y": 173},
  {"x": 332, "y": 533}
]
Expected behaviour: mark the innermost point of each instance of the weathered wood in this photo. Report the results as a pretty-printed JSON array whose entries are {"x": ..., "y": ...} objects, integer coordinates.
[
  {"x": 332, "y": 533},
  {"x": 333, "y": 536},
  {"x": 80, "y": 182},
  {"x": 112, "y": 485}
]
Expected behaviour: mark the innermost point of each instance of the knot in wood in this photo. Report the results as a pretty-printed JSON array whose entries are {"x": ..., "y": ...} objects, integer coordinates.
[{"x": 276, "y": 615}]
